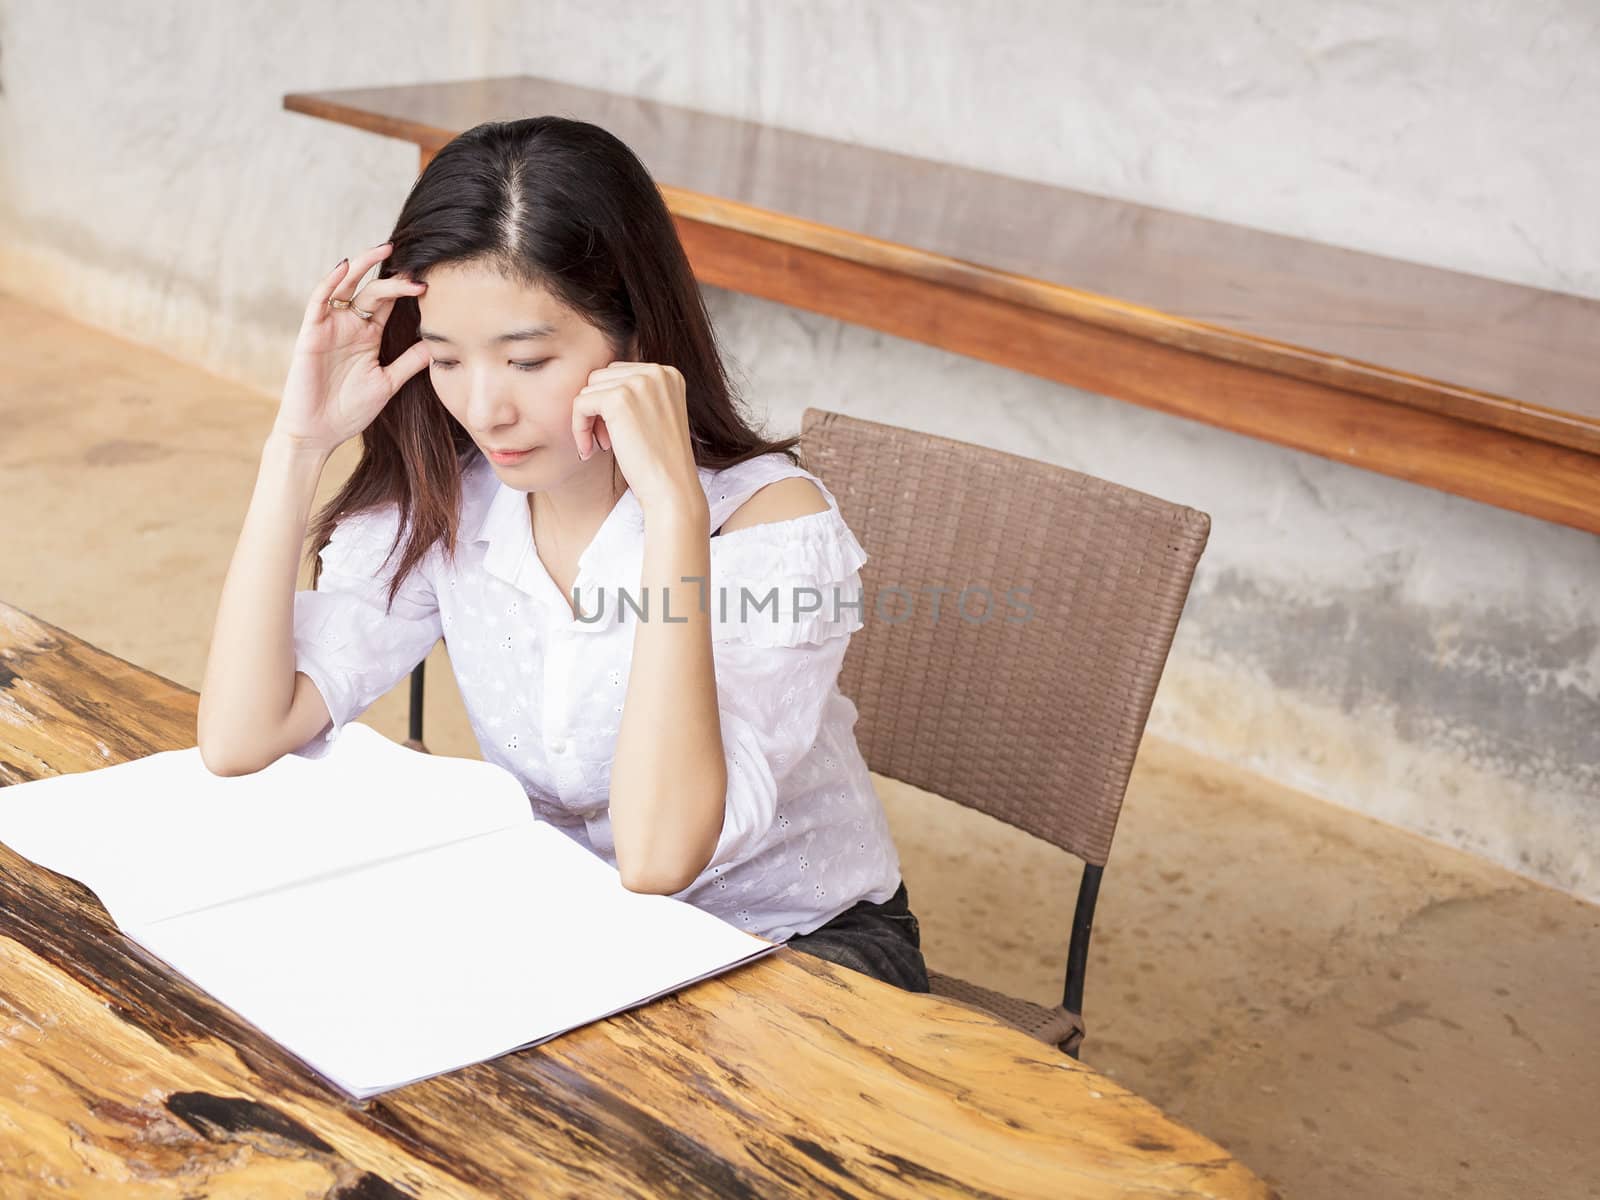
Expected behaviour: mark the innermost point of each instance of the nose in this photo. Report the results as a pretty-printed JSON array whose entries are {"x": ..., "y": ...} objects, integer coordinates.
[{"x": 489, "y": 402}]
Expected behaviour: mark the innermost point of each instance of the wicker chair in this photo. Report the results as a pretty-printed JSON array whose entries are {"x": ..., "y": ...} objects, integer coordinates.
[{"x": 1034, "y": 721}]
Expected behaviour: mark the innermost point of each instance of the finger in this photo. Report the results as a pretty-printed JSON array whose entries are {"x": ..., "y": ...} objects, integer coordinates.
[
  {"x": 359, "y": 267},
  {"x": 616, "y": 383},
  {"x": 585, "y": 412},
  {"x": 415, "y": 357},
  {"x": 391, "y": 286},
  {"x": 379, "y": 296},
  {"x": 617, "y": 370},
  {"x": 324, "y": 289},
  {"x": 601, "y": 433}
]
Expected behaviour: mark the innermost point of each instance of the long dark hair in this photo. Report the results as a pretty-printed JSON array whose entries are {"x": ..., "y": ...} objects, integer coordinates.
[{"x": 554, "y": 203}]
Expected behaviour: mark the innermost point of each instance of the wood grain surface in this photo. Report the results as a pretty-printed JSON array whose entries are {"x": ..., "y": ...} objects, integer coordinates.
[
  {"x": 1151, "y": 303},
  {"x": 787, "y": 1077}
]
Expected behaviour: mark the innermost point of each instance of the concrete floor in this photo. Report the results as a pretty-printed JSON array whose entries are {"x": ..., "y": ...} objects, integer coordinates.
[{"x": 1350, "y": 1009}]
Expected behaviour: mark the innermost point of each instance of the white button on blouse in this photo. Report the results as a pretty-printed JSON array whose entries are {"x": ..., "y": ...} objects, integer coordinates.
[{"x": 804, "y": 835}]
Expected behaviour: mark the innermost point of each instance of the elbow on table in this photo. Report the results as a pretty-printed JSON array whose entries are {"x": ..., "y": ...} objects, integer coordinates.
[
  {"x": 222, "y": 761},
  {"x": 665, "y": 877},
  {"x": 226, "y": 755},
  {"x": 652, "y": 879},
  {"x": 654, "y": 883}
]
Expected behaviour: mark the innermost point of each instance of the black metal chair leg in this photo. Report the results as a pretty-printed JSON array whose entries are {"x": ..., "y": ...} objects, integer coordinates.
[
  {"x": 414, "y": 740},
  {"x": 1078, "y": 950}
]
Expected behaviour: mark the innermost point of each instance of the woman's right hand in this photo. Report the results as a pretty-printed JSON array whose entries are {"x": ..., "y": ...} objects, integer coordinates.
[{"x": 335, "y": 386}]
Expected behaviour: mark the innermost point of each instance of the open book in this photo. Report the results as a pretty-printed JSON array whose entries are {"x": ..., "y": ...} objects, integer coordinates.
[{"x": 384, "y": 915}]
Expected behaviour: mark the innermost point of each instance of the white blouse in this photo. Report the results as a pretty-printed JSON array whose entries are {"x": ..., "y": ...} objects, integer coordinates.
[{"x": 804, "y": 835}]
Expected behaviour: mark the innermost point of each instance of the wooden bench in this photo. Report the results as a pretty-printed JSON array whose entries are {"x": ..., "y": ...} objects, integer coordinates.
[{"x": 1483, "y": 389}]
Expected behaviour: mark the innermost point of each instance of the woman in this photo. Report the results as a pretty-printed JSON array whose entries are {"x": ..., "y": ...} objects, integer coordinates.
[{"x": 544, "y": 415}]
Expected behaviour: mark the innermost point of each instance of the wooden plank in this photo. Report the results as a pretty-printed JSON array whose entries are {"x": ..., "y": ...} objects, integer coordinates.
[
  {"x": 1500, "y": 354},
  {"x": 787, "y": 1077},
  {"x": 1481, "y": 462}
]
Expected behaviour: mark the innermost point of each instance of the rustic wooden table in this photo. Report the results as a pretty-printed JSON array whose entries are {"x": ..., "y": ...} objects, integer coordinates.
[{"x": 786, "y": 1077}]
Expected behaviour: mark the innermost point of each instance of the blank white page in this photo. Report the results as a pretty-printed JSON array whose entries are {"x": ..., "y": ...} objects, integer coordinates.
[
  {"x": 383, "y": 914},
  {"x": 161, "y": 834},
  {"x": 397, "y": 971}
]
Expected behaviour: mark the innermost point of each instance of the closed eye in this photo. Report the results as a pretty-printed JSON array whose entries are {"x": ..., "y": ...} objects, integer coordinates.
[{"x": 444, "y": 364}]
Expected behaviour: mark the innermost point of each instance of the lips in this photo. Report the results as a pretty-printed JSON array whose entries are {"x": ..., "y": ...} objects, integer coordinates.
[{"x": 509, "y": 456}]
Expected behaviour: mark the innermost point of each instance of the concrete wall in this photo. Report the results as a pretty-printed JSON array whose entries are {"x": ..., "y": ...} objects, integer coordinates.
[{"x": 1428, "y": 660}]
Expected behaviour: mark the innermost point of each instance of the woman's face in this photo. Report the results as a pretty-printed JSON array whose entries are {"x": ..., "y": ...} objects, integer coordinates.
[{"x": 508, "y": 362}]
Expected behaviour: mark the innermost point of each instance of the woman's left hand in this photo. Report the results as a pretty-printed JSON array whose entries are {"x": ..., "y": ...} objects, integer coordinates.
[{"x": 637, "y": 410}]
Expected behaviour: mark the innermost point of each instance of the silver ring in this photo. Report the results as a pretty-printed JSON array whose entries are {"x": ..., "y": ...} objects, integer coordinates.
[{"x": 361, "y": 312}]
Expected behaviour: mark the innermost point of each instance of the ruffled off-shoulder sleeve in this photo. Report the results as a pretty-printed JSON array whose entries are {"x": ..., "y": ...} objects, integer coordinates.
[
  {"x": 786, "y": 583},
  {"x": 344, "y": 639},
  {"x": 778, "y": 664}
]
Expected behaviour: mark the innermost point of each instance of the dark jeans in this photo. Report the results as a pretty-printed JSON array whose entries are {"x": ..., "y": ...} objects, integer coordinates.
[{"x": 881, "y": 940}]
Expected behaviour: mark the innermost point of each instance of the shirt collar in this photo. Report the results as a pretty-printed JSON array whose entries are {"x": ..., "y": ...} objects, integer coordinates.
[
  {"x": 505, "y": 517},
  {"x": 505, "y": 526},
  {"x": 510, "y": 554}
]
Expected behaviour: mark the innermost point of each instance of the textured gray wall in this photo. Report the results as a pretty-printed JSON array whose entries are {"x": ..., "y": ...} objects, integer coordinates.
[{"x": 1426, "y": 659}]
